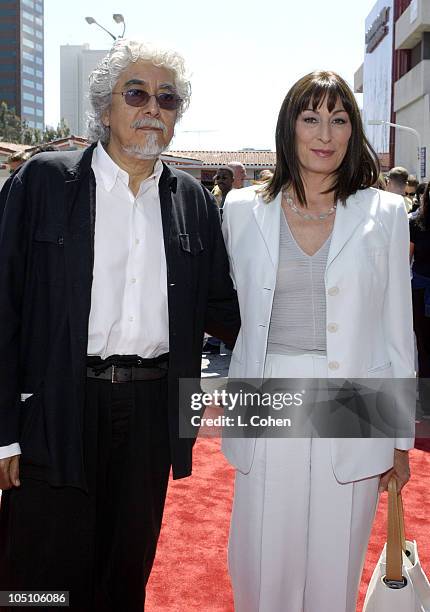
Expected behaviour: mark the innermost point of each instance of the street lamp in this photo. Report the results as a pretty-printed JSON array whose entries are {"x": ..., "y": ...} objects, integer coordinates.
[
  {"x": 117, "y": 17},
  {"x": 405, "y": 128}
]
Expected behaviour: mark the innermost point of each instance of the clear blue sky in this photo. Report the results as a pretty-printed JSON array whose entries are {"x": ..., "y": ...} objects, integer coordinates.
[{"x": 243, "y": 55}]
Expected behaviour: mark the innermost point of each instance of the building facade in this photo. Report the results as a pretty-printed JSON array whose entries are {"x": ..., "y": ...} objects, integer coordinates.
[
  {"x": 395, "y": 82},
  {"x": 377, "y": 76},
  {"x": 411, "y": 95},
  {"x": 21, "y": 59},
  {"x": 76, "y": 64}
]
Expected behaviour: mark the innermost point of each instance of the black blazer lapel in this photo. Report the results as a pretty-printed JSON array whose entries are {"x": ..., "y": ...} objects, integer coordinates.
[{"x": 167, "y": 185}]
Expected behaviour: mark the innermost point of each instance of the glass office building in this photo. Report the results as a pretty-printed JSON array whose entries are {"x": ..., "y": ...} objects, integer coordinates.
[{"x": 21, "y": 59}]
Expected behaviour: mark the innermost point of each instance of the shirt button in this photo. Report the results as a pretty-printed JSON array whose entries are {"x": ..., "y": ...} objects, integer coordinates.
[
  {"x": 133, "y": 280},
  {"x": 332, "y": 327},
  {"x": 333, "y": 365},
  {"x": 131, "y": 319},
  {"x": 333, "y": 291}
]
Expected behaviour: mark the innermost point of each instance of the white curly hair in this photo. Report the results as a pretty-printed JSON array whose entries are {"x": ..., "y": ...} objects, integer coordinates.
[{"x": 104, "y": 78}]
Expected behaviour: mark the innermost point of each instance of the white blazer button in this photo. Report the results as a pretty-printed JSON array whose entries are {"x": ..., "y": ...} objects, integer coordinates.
[
  {"x": 333, "y": 365},
  {"x": 332, "y": 327},
  {"x": 333, "y": 291}
]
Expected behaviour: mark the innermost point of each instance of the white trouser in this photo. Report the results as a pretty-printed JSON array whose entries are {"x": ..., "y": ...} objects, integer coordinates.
[{"x": 298, "y": 537}]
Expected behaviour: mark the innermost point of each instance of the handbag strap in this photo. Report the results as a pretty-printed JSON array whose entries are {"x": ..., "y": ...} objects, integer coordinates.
[
  {"x": 401, "y": 522},
  {"x": 395, "y": 534}
]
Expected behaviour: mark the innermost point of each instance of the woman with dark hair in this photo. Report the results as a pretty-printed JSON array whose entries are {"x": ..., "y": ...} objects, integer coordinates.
[
  {"x": 419, "y": 228},
  {"x": 417, "y": 201},
  {"x": 320, "y": 263}
]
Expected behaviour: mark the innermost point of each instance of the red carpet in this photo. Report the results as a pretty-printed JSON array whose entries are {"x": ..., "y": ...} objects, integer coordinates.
[{"x": 190, "y": 572}]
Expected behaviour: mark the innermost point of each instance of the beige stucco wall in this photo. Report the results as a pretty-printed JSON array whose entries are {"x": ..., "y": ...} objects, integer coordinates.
[{"x": 415, "y": 115}]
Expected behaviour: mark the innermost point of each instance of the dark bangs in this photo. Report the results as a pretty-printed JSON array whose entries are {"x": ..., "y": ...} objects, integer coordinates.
[
  {"x": 359, "y": 168},
  {"x": 321, "y": 91}
]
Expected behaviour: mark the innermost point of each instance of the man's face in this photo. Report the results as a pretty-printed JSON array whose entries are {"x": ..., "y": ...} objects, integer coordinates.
[
  {"x": 239, "y": 176},
  {"x": 140, "y": 132},
  {"x": 224, "y": 180},
  {"x": 410, "y": 191}
]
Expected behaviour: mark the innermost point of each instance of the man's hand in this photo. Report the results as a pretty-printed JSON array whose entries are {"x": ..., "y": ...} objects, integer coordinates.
[
  {"x": 400, "y": 471},
  {"x": 9, "y": 472}
]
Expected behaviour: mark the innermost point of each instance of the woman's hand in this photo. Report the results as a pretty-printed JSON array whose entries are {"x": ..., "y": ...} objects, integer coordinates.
[{"x": 400, "y": 471}]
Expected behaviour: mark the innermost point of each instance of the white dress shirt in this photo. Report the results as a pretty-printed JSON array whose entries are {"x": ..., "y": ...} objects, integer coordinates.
[{"x": 129, "y": 314}]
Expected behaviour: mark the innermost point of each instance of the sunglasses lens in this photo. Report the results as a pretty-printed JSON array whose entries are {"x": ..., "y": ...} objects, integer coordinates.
[
  {"x": 136, "y": 97},
  {"x": 168, "y": 101},
  {"x": 140, "y": 97}
]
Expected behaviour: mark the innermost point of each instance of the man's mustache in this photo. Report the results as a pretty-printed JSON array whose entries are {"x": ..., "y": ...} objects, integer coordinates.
[{"x": 149, "y": 122}]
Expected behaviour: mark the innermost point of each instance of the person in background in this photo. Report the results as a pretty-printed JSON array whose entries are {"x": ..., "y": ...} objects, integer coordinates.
[
  {"x": 16, "y": 160},
  {"x": 265, "y": 175},
  {"x": 381, "y": 183},
  {"x": 397, "y": 180},
  {"x": 419, "y": 228},
  {"x": 418, "y": 199},
  {"x": 411, "y": 187},
  {"x": 113, "y": 266},
  {"x": 320, "y": 263},
  {"x": 239, "y": 172},
  {"x": 223, "y": 179}
]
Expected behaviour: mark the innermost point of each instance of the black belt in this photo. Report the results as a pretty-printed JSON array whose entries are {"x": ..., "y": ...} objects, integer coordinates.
[{"x": 138, "y": 369}]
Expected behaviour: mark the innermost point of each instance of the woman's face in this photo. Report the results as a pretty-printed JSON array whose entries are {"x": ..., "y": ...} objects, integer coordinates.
[{"x": 322, "y": 139}]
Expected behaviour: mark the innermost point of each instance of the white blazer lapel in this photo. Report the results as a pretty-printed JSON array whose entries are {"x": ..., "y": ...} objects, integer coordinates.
[
  {"x": 267, "y": 217},
  {"x": 347, "y": 219}
]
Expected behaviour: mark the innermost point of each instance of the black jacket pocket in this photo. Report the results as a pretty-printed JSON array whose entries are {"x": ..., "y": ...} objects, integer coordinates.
[{"x": 191, "y": 243}]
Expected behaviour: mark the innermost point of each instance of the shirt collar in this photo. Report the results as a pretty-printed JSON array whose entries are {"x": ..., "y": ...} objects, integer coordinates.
[{"x": 104, "y": 166}]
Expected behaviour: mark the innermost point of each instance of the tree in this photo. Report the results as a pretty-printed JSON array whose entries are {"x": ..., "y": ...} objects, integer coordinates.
[
  {"x": 63, "y": 130},
  {"x": 12, "y": 129},
  {"x": 10, "y": 124},
  {"x": 49, "y": 134}
]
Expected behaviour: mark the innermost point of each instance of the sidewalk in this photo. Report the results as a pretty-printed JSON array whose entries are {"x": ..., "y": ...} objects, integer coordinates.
[{"x": 216, "y": 366}]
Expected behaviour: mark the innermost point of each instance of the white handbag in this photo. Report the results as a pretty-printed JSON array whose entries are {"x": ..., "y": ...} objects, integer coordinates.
[{"x": 398, "y": 583}]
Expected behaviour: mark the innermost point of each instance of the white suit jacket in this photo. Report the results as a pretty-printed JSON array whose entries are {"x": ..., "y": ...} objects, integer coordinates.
[{"x": 368, "y": 297}]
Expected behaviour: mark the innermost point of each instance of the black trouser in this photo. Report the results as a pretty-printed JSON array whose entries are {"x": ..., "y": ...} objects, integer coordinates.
[
  {"x": 99, "y": 545},
  {"x": 422, "y": 333}
]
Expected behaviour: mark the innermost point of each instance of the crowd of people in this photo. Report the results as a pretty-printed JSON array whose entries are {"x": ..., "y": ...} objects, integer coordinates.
[
  {"x": 416, "y": 201},
  {"x": 114, "y": 266}
]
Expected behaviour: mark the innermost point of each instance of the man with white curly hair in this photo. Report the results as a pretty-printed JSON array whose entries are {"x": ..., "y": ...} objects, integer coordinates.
[{"x": 112, "y": 268}]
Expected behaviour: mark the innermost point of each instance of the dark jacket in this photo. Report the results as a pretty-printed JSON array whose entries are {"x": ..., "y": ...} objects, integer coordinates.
[{"x": 46, "y": 266}]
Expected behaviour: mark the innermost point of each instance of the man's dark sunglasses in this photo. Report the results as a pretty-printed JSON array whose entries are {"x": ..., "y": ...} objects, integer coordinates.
[{"x": 140, "y": 97}]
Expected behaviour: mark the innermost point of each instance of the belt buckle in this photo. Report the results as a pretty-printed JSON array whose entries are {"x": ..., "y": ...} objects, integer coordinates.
[{"x": 113, "y": 375}]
